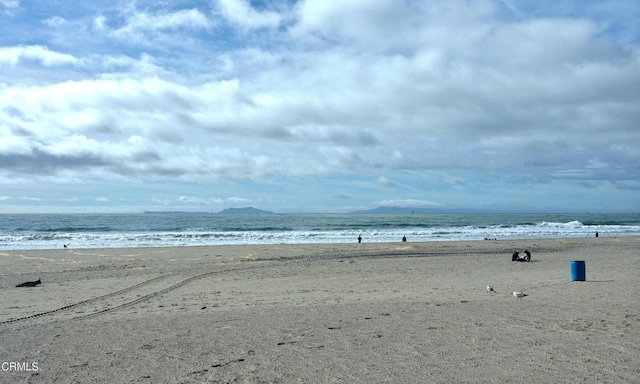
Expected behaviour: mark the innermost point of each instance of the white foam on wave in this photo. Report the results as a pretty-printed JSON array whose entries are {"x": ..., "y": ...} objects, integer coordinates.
[
  {"x": 571, "y": 224},
  {"x": 52, "y": 240}
]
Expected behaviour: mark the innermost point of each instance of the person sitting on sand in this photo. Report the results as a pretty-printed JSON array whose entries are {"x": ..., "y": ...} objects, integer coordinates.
[
  {"x": 527, "y": 256},
  {"x": 515, "y": 256}
]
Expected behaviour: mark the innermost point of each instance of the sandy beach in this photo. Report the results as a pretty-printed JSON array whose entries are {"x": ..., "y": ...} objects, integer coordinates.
[{"x": 347, "y": 313}]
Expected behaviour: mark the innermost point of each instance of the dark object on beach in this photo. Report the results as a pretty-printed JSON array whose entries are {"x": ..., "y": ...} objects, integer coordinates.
[
  {"x": 404, "y": 239},
  {"x": 597, "y": 234},
  {"x": 516, "y": 256},
  {"x": 29, "y": 284},
  {"x": 359, "y": 239}
]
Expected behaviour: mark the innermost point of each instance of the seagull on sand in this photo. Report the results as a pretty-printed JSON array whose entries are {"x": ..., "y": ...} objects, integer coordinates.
[
  {"x": 519, "y": 294},
  {"x": 490, "y": 289}
]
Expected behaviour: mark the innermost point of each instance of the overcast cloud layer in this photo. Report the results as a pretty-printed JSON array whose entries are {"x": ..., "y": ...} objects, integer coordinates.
[{"x": 319, "y": 106}]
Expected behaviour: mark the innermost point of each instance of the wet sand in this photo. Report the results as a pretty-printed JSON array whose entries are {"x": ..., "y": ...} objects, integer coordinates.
[{"x": 350, "y": 313}]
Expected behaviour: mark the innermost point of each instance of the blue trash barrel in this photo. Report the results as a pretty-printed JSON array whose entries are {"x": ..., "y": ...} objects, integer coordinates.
[{"x": 578, "y": 272}]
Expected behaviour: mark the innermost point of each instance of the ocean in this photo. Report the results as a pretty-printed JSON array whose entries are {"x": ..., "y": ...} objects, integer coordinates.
[{"x": 51, "y": 231}]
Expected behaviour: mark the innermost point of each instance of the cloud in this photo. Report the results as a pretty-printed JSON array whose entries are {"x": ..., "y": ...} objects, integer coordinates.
[
  {"x": 143, "y": 27},
  {"x": 200, "y": 201},
  {"x": 241, "y": 13},
  {"x": 160, "y": 201},
  {"x": 239, "y": 201},
  {"x": 10, "y": 3},
  {"x": 14, "y": 55},
  {"x": 404, "y": 203},
  {"x": 230, "y": 201},
  {"x": 186, "y": 18},
  {"x": 386, "y": 182},
  {"x": 28, "y": 198},
  {"x": 55, "y": 21},
  {"x": 22, "y": 198},
  {"x": 451, "y": 96},
  {"x": 99, "y": 23},
  {"x": 9, "y": 6}
]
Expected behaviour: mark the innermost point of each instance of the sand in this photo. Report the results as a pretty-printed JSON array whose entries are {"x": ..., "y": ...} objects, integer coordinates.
[{"x": 351, "y": 313}]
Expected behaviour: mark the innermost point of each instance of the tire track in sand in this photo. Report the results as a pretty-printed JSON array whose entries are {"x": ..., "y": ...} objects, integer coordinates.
[{"x": 268, "y": 263}]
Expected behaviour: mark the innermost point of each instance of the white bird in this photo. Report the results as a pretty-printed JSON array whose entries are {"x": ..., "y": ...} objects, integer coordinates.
[
  {"x": 519, "y": 294},
  {"x": 490, "y": 289}
]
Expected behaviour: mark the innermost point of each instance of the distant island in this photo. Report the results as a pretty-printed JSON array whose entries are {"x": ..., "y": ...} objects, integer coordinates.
[
  {"x": 245, "y": 210},
  {"x": 386, "y": 210},
  {"x": 408, "y": 210},
  {"x": 174, "y": 212}
]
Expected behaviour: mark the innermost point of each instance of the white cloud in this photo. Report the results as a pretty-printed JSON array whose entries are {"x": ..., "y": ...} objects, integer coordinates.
[
  {"x": 239, "y": 201},
  {"x": 240, "y": 12},
  {"x": 140, "y": 24},
  {"x": 21, "y": 198},
  {"x": 29, "y": 198},
  {"x": 13, "y": 56},
  {"x": 451, "y": 94},
  {"x": 99, "y": 23},
  {"x": 10, "y": 3},
  {"x": 407, "y": 203},
  {"x": 10, "y": 6},
  {"x": 200, "y": 201},
  {"x": 55, "y": 21},
  {"x": 385, "y": 182},
  {"x": 14, "y": 145}
]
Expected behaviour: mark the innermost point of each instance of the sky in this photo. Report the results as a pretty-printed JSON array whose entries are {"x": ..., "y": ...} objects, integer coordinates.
[{"x": 319, "y": 106}]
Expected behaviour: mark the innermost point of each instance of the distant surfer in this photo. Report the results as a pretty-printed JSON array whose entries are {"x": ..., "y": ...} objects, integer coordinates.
[
  {"x": 404, "y": 239},
  {"x": 597, "y": 234},
  {"x": 359, "y": 239}
]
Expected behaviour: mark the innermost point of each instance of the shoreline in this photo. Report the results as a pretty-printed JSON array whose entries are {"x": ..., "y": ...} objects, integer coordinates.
[
  {"x": 109, "y": 257},
  {"x": 131, "y": 231},
  {"x": 370, "y": 312},
  {"x": 322, "y": 244}
]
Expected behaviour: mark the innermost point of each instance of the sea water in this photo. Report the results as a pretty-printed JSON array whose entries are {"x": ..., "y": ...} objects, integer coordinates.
[{"x": 50, "y": 231}]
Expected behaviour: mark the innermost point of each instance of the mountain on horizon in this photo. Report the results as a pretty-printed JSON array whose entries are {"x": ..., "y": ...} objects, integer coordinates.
[
  {"x": 408, "y": 210},
  {"x": 244, "y": 210}
]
